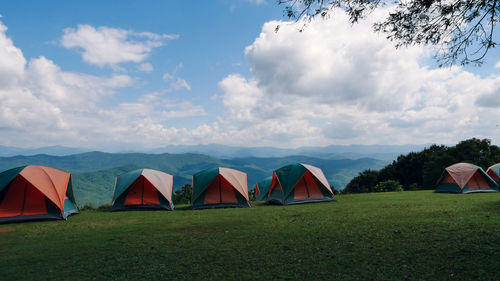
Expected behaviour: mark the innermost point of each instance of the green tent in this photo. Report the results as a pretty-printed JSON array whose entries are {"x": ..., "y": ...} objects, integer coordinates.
[
  {"x": 35, "y": 193},
  {"x": 261, "y": 188},
  {"x": 494, "y": 173},
  {"x": 297, "y": 183},
  {"x": 220, "y": 188},
  {"x": 143, "y": 189},
  {"x": 465, "y": 178}
]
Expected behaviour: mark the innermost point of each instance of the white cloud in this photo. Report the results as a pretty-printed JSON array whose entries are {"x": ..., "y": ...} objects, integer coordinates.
[
  {"x": 176, "y": 83},
  {"x": 44, "y": 105},
  {"x": 240, "y": 97},
  {"x": 257, "y": 2},
  {"x": 106, "y": 46},
  {"x": 331, "y": 84},
  {"x": 497, "y": 65},
  {"x": 12, "y": 62},
  {"x": 145, "y": 67},
  {"x": 341, "y": 83}
]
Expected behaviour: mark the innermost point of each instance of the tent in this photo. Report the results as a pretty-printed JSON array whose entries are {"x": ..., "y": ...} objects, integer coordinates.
[
  {"x": 143, "y": 189},
  {"x": 35, "y": 193},
  {"x": 494, "y": 173},
  {"x": 220, "y": 188},
  {"x": 297, "y": 183},
  {"x": 465, "y": 178},
  {"x": 261, "y": 189}
]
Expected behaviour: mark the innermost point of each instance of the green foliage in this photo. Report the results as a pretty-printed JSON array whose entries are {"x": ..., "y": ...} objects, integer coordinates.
[
  {"x": 474, "y": 151},
  {"x": 334, "y": 190},
  {"x": 421, "y": 170},
  {"x": 462, "y": 31},
  {"x": 184, "y": 195},
  {"x": 379, "y": 236},
  {"x": 364, "y": 182},
  {"x": 412, "y": 187},
  {"x": 251, "y": 194},
  {"x": 387, "y": 186}
]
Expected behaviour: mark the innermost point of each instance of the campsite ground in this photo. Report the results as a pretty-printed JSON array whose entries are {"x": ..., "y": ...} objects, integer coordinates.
[{"x": 416, "y": 235}]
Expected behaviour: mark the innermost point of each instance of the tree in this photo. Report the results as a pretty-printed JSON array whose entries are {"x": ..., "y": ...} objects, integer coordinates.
[
  {"x": 387, "y": 186},
  {"x": 184, "y": 195},
  {"x": 364, "y": 182},
  {"x": 251, "y": 194},
  {"x": 334, "y": 190},
  {"x": 462, "y": 30},
  {"x": 474, "y": 151},
  {"x": 421, "y": 170}
]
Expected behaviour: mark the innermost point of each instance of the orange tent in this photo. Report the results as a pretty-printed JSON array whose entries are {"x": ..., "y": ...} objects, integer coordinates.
[
  {"x": 143, "y": 189},
  {"x": 465, "y": 178},
  {"x": 220, "y": 187},
  {"x": 35, "y": 192}
]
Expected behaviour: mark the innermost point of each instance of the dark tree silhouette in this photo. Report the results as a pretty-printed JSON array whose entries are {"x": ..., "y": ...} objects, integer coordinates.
[
  {"x": 184, "y": 195},
  {"x": 462, "y": 30},
  {"x": 421, "y": 170}
]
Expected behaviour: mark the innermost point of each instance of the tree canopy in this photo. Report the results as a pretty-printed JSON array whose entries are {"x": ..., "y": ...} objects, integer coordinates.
[
  {"x": 421, "y": 170},
  {"x": 461, "y": 30}
]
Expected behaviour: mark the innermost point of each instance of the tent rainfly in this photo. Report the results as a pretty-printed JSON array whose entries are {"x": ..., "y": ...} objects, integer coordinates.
[
  {"x": 261, "y": 189},
  {"x": 143, "y": 189},
  {"x": 220, "y": 188},
  {"x": 35, "y": 193},
  {"x": 465, "y": 178},
  {"x": 494, "y": 173},
  {"x": 294, "y": 184}
]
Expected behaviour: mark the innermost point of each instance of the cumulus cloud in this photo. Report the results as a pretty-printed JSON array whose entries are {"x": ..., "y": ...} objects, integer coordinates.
[
  {"x": 176, "y": 83},
  {"x": 145, "y": 67},
  {"x": 107, "y": 46},
  {"x": 341, "y": 83},
  {"x": 44, "y": 105},
  {"x": 12, "y": 62}
]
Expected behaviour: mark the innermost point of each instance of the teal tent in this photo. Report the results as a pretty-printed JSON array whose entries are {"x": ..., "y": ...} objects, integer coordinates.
[
  {"x": 494, "y": 173},
  {"x": 220, "y": 188},
  {"x": 465, "y": 178},
  {"x": 262, "y": 188},
  {"x": 297, "y": 183},
  {"x": 143, "y": 189}
]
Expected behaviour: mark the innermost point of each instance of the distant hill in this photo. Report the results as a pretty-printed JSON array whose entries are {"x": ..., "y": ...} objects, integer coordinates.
[
  {"x": 382, "y": 152},
  {"x": 56, "y": 150},
  {"x": 94, "y": 172}
]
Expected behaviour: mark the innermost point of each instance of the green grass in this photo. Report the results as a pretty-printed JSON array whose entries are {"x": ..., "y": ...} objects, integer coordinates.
[{"x": 382, "y": 236}]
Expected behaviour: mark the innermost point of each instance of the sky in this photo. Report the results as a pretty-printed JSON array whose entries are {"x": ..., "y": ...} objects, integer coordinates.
[{"x": 132, "y": 75}]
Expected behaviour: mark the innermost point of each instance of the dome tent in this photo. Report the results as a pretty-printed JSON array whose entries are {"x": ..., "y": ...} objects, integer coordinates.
[
  {"x": 298, "y": 183},
  {"x": 494, "y": 173},
  {"x": 220, "y": 188},
  {"x": 465, "y": 178},
  {"x": 143, "y": 189},
  {"x": 261, "y": 188},
  {"x": 35, "y": 193}
]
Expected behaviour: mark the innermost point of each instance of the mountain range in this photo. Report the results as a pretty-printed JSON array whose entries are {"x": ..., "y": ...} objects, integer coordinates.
[{"x": 381, "y": 152}]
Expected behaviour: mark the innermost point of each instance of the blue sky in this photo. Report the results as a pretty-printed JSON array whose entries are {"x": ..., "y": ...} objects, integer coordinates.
[{"x": 117, "y": 75}]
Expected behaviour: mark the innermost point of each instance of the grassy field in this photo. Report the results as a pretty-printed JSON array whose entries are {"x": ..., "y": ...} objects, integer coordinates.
[{"x": 382, "y": 236}]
